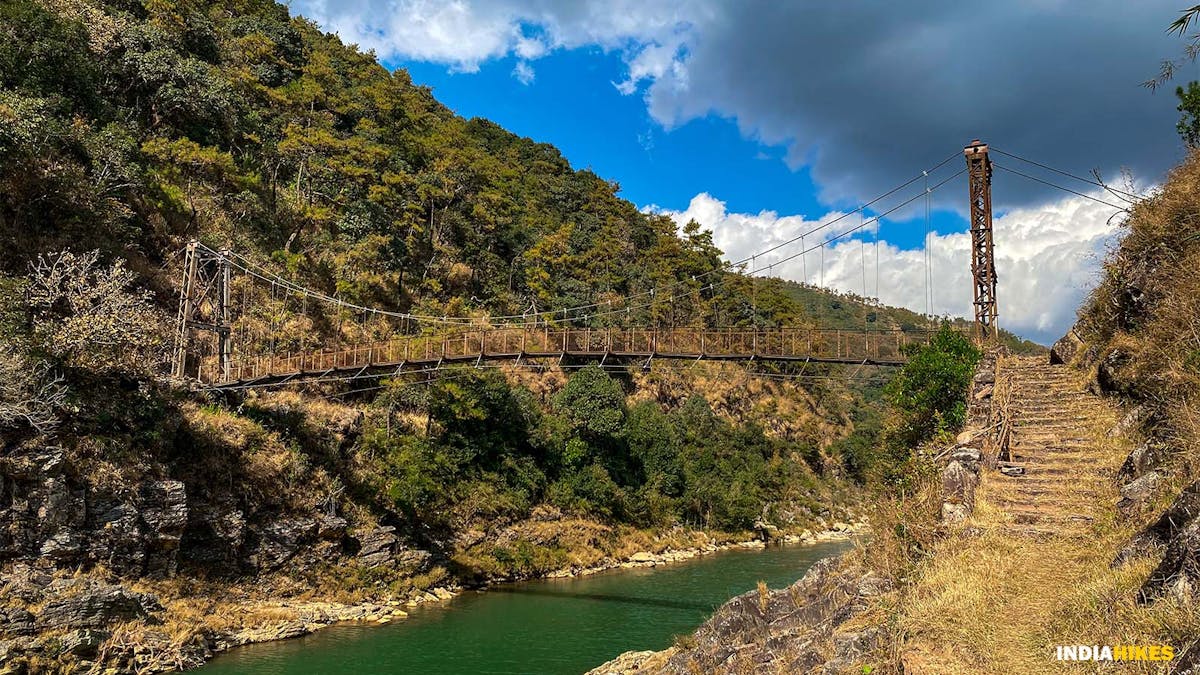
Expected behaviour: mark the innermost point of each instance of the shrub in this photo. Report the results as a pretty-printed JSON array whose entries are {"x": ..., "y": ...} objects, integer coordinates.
[
  {"x": 30, "y": 395},
  {"x": 929, "y": 393}
]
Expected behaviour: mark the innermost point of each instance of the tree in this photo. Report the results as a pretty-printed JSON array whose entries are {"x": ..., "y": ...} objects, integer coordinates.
[
  {"x": 1168, "y": 67},
  {"x": 30, "y": 394},
  {"x": 930, "y": 391},
  {"x": 91, "y": 316},
  {"x": 1189, "y": 108},
  {"x": 593, "y": 403},
  {"x": 476, "y": 416}
]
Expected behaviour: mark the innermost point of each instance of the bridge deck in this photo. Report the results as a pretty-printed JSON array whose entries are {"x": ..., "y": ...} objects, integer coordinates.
[{"x": 884, "y": 348}]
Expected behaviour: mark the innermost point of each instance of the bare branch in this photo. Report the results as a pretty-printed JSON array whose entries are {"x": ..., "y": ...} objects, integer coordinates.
[
  {"x": 30, "y": 394},
  {"x": 92, "y": 316}
]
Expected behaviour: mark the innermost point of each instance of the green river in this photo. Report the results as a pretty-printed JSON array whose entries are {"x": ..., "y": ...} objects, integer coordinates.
[{"x": 550, "y": 626}]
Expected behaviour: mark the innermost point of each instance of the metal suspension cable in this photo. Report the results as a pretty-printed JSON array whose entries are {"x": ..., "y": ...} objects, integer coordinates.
[
  {"x": 862, "y": 258},
  {"x": 925, "y": 247},
  {"x": 804, "y": 262},
  {"x": 1064, "y": 189},
  {"x": 250, "y": 267},
  {"x": 875, "y": 236},
  {"x": 860, "y": 209},
  {"x": 1068, "y": 174},
  {"x": 929, "y": 237}
]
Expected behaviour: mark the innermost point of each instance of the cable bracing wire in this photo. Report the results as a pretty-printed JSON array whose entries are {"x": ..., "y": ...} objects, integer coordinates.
[
  {"x": 1068, "y": 174},
  {"x": 1064, "y": 189},
  {"x": 793, "y": 256}
]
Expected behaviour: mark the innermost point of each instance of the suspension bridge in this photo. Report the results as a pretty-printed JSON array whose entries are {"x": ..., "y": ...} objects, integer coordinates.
[{"x": 241, "y": 325}]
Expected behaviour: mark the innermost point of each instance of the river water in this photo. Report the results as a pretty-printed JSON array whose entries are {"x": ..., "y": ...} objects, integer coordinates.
[{"x": 549, "y": 626}]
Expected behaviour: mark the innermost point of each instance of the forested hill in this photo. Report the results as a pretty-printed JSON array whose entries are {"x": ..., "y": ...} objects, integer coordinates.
[{"x": 133, "y": 127}]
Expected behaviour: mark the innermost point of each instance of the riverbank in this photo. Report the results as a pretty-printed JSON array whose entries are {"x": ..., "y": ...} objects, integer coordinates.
[
  {"x": 270, "y": 620},
  {"x": 548, "y": 626}
]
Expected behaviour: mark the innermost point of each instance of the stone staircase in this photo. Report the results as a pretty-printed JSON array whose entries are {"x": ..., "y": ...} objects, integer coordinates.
[{"x": 1054, "y": 453}]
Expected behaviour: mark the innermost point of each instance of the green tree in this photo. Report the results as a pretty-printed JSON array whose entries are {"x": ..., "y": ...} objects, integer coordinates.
[
  {"x": 477, "y": 417},
  {"x": 929, "y": 392},
  {"x": 1189, "y": 113},
  {"x": 594, "y": 405}
]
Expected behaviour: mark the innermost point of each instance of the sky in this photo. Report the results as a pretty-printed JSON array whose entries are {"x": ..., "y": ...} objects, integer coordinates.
[{"x": 764, "y": 120}]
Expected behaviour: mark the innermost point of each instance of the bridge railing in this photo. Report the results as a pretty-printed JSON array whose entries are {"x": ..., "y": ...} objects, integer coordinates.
[{"x": 885, "y": 346}]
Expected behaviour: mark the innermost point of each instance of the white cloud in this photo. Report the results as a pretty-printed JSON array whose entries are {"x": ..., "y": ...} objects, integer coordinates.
[
  {"x": 465, "y": 33},
  {"x": 523, "y": 72},
  {"x": 1046, "y": 259}
]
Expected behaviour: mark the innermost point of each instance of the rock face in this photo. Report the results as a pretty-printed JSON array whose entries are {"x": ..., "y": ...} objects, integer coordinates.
[
  {"x": 381, "y": 546},
  {"x": 1065, "y": 350},
  {"x": 57, "y": 516},
  {"x": 1153, "y": 539},
  {"x": 377, "y": 546},
  {"x": 66, "y": 616},
  {"x": 1146, "y": 456},
  {"x": 91, "y": 604},
  {"x": 152, "y": 526},
  {"x": 278, "y": 541},
  {"x": 215, "y": 537},
  {"x": 164, "y": 514},
  {"x": 792, "y": 630},
  {"x": 959, "y": 480},
  {"x": 1108, "y": 375},
  {"x": 1179, "y": 571},
  {"x": 84, "y": 642},
  {"x": 1137, "y": 494}
]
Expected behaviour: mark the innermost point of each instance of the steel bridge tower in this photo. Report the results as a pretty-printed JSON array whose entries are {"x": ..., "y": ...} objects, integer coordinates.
[
  {"x": 204, "y": 305},
  {"x": 983, "y": 260}
]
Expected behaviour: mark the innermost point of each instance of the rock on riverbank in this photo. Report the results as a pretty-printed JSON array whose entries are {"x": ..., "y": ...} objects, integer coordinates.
[{"x": 790, "y": 630}]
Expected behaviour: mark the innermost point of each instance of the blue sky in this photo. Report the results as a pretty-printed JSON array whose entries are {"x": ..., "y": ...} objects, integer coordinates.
[
  {"x": 763, "y": 120},
  {"x": 574, "y": 104}
]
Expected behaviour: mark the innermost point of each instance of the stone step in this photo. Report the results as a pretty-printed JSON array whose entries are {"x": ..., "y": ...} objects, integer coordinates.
[
  {"x": 1019, "y": 494},
  {"x": 1050, "y": 439},
  {"x": 1051, "y": 481},
  {"x": 1042, "y": 532},
  {"x": 1042, "y": 464},
  {"x": 1047, "y": 501},
  {"x": 1036, "y": 517},
  {"x": 1052, "y": 416},
  {"x": 1036, "y": 470},
  {"x": 1054, "y": 448}
]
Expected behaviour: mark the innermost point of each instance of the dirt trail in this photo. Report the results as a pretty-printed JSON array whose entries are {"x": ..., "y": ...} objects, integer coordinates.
[{"x": 991, "y": 598}]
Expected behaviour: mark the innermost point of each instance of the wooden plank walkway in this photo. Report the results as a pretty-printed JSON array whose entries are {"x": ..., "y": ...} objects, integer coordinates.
[{"x": 506, "y": 343}]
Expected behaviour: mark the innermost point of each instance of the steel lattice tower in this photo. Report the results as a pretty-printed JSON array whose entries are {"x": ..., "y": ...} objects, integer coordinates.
[{"x": 983, "y": 261}]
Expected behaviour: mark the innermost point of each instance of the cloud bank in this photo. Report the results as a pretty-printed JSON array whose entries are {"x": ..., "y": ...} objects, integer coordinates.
[{"x": 1046, "y": 260}]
